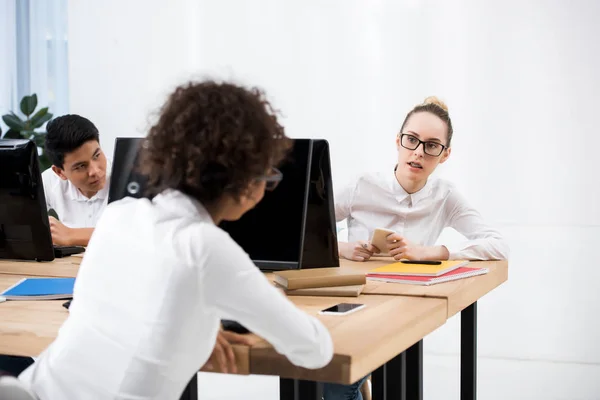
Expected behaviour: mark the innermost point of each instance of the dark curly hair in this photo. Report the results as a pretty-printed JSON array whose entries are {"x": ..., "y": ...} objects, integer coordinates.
[{"x": 212, "y": 139}]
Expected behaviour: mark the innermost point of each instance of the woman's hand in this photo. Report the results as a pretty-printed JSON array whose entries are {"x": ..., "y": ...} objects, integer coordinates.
[
  {"x": 403, "y": 249},
  {"x": 357, "y": 251},
  {"x": 222, "y": 358}
]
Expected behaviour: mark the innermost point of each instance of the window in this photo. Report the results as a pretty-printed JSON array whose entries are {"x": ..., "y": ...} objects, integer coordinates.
[{"x": 33, "y": 46}]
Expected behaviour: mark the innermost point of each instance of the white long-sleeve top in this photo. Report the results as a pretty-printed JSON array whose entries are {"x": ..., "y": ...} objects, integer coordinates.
[
  {"x": 377, "y": 200},
  {"x": 155, "y": 281}
]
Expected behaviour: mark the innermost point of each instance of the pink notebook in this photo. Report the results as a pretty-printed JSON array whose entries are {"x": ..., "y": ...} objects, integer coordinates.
[{"x": 459, "y": 273}]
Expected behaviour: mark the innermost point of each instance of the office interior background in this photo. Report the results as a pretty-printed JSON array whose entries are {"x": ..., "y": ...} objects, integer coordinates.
[{"x": 521, "y": 82}]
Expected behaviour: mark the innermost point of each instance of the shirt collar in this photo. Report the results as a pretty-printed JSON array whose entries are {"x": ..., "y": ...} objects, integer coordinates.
[
  {"x": 400, "y": 194},
  {"x": 75, "y": 195},
  {"x": 183, "y": 204}
]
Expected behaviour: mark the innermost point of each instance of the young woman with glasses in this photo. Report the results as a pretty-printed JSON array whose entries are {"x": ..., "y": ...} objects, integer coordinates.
[
  {"x": 159, "y": 275},
  {"x": 414, "y": 205}
]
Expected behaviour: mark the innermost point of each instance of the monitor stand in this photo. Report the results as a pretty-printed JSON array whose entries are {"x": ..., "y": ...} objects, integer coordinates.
[{"x": 266, "y": 265}]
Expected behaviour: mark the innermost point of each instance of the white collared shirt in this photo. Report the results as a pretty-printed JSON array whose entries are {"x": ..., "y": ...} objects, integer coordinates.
[
  {"x": 72, "y": 207},
  {"x": 155, "y": 281},
  {"x": 378, "y": 201}
]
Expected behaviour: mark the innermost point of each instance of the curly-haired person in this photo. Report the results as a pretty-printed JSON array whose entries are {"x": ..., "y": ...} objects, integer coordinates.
[{"x": 159, "y": 274}]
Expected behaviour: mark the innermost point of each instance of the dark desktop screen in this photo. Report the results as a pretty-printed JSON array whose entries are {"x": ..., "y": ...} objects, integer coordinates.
[{"x": 273, "y": 230}]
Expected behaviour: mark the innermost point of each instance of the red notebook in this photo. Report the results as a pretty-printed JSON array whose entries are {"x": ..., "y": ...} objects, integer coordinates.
[{"x": 459, "y": 273}]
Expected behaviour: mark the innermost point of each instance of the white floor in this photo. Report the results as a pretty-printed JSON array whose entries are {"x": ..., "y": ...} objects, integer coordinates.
[{"x": 497, "y": 380}]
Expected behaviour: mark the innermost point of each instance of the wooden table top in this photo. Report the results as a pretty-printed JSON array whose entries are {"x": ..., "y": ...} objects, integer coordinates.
[
  {"x": 363, "y": 340},
  {"x": 66, "y": 267},
  {"x": 459, "y": 294}
]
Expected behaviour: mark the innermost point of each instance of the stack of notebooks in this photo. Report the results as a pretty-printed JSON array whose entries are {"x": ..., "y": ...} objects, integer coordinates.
[
  {"x": 320, "y": 282},
  {"x": 40, "y": 289},
  {"x": 423, "y": 274}
]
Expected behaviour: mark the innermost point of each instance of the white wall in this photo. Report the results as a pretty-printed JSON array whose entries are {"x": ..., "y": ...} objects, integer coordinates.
[
  {"x": 124, "y": 58},
  {"x": 520, "y": 79}
]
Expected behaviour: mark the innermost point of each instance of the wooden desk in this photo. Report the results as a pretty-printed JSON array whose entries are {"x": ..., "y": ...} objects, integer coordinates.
[
  {"x": 66, "y": 267},
  {"x": 358, "y": 346},
  {"x": 363, "y": 341},
  {"x": 460, "y": 293},
  {"x": 28, "y": 327}
]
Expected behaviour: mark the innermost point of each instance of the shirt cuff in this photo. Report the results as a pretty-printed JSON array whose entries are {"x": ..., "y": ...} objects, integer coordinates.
[{"x": 455, "y": 251}]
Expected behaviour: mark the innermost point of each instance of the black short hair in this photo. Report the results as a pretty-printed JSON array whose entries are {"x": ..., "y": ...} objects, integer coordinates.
[{"x": 65, "y": 134}]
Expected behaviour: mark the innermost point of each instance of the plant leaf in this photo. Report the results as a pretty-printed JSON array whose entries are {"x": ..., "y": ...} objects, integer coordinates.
[
  {"x": 12, "y": 134},
  {"x": 39, "y": 138},
  {"x": 40, "y": 118},
  {"x": 13, "y": 122},
  {"x": 44, "y": 161},
  {"x": 28, "y": 104}
]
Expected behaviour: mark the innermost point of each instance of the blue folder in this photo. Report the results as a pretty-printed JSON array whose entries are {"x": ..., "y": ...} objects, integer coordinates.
[{"x": 41, "y": 289}]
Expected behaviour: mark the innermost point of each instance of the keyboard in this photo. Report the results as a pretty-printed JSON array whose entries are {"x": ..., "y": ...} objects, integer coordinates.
[{"x": 64, "y": 251}]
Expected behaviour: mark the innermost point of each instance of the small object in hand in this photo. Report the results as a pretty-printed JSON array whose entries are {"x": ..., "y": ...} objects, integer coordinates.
[
  {"x": 426, "y": 262},
  {"x": 234, "y": 326}
]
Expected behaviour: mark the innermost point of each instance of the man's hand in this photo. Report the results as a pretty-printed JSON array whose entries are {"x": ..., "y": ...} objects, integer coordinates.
[
  {"x": 61, "y": 235},
  {"x": 357, "y": 251},
  {"x": 222, "y": 358},
  {"x": 403, "y": 249}
]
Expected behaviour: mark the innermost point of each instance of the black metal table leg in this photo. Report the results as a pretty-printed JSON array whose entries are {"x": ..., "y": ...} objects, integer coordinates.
[
  {"x": 293, "y": 389},
  {"x": 378, "y": 384},
  {"x": 468, "y": 353},
  {"x": 191, "y": 390},
  {"x": 414, "y": 371},
  {"x": 389, "y": 381}
]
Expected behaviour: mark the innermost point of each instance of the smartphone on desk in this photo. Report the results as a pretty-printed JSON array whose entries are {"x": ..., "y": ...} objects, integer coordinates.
[{"x": 342, "y": 309}]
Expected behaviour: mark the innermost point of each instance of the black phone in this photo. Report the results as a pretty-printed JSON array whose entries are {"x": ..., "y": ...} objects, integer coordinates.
[
  {"x": 234, "y": 326},
  {"x": 342, "y": 309},
  {"x": 426, "y": 262}
]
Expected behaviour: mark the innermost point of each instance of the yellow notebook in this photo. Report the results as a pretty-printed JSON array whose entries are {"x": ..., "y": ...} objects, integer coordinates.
[{"x": 401, "y": 268}]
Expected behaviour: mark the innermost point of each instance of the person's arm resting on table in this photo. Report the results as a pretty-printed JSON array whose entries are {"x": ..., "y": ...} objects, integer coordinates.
[
  {"x": 62, "y": 235},
  {"x": 236, "y": 288},
  {"x": 483, "y": 242}
]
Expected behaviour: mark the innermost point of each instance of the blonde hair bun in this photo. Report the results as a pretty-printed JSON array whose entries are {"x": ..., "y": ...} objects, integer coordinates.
[{"x": 436, "y": 101}]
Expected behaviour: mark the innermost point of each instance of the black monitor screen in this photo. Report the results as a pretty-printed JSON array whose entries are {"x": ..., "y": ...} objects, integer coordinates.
[
  {"x": 292, "y": 227},
  {"x": 273, "y": 231},
  {"x": 125, "y": 181},
  {"x": 24, "y": 225}
]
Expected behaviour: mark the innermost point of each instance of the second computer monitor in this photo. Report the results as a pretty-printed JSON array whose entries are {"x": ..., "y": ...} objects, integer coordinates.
[{"x": 293, "y": 226}]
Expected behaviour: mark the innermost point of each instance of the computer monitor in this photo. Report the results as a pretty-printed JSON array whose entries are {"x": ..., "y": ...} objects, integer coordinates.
[
  {"x": 293, "y": 226},
  {"x": 24, "y": 225},
  {"x": 125, "y": 180}
]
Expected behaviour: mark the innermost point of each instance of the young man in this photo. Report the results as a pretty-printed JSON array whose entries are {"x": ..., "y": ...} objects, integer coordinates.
[{"x": 76, "y": 186}]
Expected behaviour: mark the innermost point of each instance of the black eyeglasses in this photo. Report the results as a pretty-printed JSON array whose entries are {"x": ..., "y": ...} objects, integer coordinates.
[
  {"x": 272, "y": 179},
  {"x": 412, "y": 143}
]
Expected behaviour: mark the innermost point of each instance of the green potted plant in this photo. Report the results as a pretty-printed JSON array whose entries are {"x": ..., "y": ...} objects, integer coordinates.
[{"x": 20, "y": 128}]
